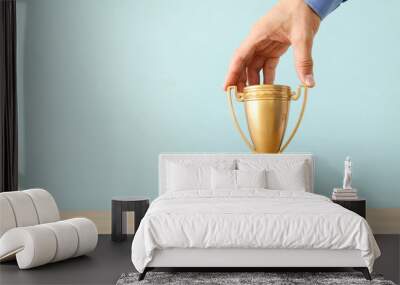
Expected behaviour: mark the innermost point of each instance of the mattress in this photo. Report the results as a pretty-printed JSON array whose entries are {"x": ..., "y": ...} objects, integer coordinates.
[{"x": 250, "y": 219}]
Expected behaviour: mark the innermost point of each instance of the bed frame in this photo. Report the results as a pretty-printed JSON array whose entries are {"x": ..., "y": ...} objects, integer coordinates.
[{"x": 236, "y": 259}]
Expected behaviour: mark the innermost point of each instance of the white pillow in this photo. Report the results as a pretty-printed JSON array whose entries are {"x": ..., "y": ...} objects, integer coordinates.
[
  {"x": 251, "y": 179},
  {"x": 293, "y": 178},
  {"x": 237, "y": 179},
  {"x": 281, "y": 174},
  {"x": 223, "y": 179},
  {"x": 190, "y": 175}
]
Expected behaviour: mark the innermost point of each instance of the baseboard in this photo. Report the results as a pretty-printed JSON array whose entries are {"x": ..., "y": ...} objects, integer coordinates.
[
  {"x": 381, "y": 220},
  {"x": 384, "y": 220},
  {"x": 102, "y": 219}
]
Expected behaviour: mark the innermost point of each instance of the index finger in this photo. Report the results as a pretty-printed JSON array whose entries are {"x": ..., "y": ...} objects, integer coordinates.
[{"x": 238, "y": 65}]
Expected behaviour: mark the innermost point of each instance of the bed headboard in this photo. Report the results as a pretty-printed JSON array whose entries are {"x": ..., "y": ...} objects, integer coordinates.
[{"x": 164, "y": 158}]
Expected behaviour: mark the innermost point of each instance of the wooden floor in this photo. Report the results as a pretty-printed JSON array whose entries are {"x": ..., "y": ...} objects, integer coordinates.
[{"x": 110, "y": 260}]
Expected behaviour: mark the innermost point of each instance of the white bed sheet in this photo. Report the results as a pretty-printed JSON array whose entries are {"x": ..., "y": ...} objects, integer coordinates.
[{"x": 250, "y": 218}]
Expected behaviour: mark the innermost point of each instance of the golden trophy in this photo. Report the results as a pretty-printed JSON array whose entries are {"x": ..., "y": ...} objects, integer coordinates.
[{"x": 267, "y": 113}]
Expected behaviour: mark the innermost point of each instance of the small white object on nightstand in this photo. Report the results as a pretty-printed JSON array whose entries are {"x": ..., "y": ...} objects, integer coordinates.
[
  {"x": 347, "y": 192},
  {"x": 347, "y": 173}
]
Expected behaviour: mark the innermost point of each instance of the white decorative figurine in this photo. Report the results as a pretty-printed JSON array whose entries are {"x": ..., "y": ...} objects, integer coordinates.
[{"x": 347, "y": 174}]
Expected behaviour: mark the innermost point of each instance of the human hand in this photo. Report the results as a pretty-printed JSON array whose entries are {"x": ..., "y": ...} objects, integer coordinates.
[{"x": 289, "y": 22}]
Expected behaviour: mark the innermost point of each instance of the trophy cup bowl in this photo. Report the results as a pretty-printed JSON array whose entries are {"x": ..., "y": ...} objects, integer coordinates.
[{"x": 267, "y": 113}]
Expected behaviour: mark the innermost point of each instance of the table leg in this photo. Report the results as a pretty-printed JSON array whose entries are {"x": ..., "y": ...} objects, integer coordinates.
[{"x": 117, "y": 222}]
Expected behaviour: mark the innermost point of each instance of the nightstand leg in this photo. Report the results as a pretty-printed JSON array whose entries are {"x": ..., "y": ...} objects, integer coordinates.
[{"x": 117, "y": 223}]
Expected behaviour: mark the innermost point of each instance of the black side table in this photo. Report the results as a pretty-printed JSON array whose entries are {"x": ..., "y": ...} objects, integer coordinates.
[
  {"x": 119, "y": 206},
  {"x": 357, "y": 206}
]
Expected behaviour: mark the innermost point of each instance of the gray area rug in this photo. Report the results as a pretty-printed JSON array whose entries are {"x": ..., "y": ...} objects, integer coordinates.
[{"x": 269, "y": 278}]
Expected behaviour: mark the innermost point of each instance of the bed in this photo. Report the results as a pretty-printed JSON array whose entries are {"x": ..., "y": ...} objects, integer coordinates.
[{"x": 247, "y": 211}]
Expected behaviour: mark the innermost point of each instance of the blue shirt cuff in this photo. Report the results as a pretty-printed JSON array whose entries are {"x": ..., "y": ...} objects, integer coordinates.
[{"x": 323, "y": 7}]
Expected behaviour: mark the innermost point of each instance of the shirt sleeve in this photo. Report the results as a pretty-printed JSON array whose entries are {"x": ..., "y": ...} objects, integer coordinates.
[{"x": 323, "y": 7}]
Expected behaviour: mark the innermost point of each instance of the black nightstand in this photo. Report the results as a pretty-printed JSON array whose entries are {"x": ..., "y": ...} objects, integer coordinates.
[
  {"x": 358, "y": 206},
  {"x": 126, "y": 204}
]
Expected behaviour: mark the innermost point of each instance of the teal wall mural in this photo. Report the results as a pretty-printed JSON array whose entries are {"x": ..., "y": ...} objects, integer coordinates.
[{"x": 105, "y": 86}]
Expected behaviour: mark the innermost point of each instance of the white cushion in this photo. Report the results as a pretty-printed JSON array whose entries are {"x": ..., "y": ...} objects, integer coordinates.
[
  {"x": 237, "y": 179},
  {"x": 251, "y": 178},
  {"x": 41, "y": 244},
  {"x": 292, "y": 178},
  {"x": 23, "y": 208},
  {"x": 33, "y": 245},
  {"x": 281, "y": 174},
  {"x": 7, "y": 218},
  {"x": 67, "y": 239},
  {"x": 223, "y": 179},
  {"x": 87, "y": 233},
  {"x": 189, "y": 175},
  {"x": 45, "y": 205}
]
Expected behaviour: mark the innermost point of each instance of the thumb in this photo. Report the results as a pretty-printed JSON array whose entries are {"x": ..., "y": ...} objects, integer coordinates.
[{"x": 304, "y": 62}]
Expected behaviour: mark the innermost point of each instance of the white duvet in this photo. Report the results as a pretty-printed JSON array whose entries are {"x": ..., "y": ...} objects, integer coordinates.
[{"x": 251, "y": 218}]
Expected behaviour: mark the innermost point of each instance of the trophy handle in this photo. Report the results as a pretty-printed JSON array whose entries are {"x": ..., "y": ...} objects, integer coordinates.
[
  {"x": 239, "y": 97},
  {"x": 296, "y": 95}
]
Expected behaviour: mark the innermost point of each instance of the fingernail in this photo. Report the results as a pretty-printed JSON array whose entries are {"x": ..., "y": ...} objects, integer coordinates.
[{"x": 309, "y": 80}]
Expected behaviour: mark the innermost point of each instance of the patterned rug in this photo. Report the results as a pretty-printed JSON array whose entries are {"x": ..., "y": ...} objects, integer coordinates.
[{"x": 244, "y": 278}]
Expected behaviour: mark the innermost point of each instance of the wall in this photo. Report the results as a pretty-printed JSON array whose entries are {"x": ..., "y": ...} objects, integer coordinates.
[{"x": 105, "y": 86}]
